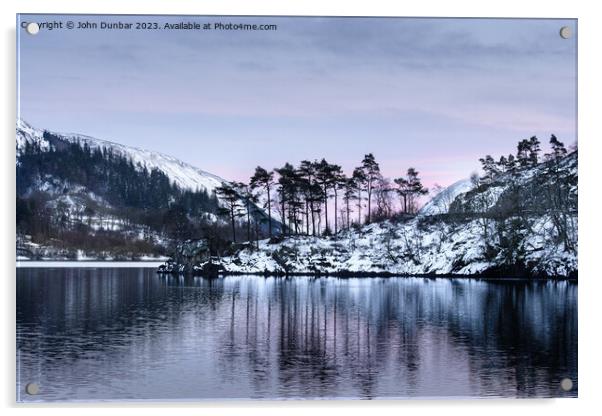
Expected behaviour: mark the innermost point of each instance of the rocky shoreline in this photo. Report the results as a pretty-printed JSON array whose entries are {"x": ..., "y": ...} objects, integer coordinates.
[
  {"x": 488, "y": 275},
  {"x": 192, "y": 259}
]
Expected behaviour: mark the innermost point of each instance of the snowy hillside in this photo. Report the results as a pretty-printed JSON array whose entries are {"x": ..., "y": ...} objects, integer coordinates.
[
  {"x": 184, "y": 175},
  {"x": 522, "y": 223},
  {"x": 26, "y": 133},
  {"x": 78, "y": 194},
  {"x": 411, "y": 248},
  {"x": 530, "y": 186},
  {"x": 441, "y": 202}
]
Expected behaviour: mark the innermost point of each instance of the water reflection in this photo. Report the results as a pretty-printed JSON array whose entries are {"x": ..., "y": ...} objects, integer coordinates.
[{"x": 89, "y": 334}]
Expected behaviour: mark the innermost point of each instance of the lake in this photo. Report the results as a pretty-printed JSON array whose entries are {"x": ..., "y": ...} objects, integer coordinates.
[{"x": 91, "y": 334}]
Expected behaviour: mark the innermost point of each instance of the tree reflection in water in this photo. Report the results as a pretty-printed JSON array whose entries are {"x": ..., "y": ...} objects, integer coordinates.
[{"x": 248, "y": 336}]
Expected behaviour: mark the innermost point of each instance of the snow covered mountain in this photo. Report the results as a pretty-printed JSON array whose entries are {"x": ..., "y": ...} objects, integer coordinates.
[
  {"x": 83, "y": 197},
  {"x": 182, "y": 174},
  {"x": 27, "y": 133}
]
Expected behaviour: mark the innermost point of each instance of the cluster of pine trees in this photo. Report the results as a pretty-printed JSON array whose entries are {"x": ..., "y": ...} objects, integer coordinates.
[
  {"x": 527, "y": 156},
  {"x": 547, "y": 192},
  {"x": 304, "y": 194}
]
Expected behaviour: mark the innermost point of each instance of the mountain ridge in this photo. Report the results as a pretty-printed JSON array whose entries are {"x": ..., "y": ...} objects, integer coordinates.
[
  {"x": 78, "y": 193},
  {"x": 181, "y": 173}
]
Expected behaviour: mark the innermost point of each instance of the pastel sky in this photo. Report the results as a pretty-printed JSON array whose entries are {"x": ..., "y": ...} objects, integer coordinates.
[{"x": 435, "y": 94}]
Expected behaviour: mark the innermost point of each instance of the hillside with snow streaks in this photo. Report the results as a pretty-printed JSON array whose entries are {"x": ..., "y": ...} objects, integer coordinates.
[
  {"x": 81, "y": 196},
  {"x": 26, "y": 133},
  {"x": 522, "y": 223},
  {"x": 401, "y": 249},
  {"x": 182, "y": 174}
]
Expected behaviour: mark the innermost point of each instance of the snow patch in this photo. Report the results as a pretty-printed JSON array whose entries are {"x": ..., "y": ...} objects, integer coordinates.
[{"x": 441, "y": 202}]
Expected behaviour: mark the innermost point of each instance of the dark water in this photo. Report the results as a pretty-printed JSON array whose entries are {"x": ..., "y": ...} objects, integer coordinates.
[{"x": 128, "y": 334}]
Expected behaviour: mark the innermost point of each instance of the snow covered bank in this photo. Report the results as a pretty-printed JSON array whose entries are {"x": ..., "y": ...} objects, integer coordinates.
[
  {"x": 521, "y": 224},
  {"x": 434, "y": 246},
  {"x": 89, "y": 264},
  {"x": 412, "y": 248},
  {"x": 30, "y": 252}
]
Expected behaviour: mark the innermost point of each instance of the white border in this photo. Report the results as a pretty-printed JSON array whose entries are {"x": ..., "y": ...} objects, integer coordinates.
[{"x": 590, "y": 68}]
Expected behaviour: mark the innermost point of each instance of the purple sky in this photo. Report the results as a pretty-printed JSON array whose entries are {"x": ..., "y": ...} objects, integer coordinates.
[{"x": 435, "y": 94}]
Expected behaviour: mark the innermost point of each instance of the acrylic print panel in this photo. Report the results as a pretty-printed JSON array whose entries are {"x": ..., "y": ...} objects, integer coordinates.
[{"x": 215, "y": 208}]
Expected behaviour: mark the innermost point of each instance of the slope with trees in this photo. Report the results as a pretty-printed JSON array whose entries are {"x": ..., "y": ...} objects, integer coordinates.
[{"x": 517, "y": 219}]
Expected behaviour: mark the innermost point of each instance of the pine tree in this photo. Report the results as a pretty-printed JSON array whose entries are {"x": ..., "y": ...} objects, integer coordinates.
[
  {"x": 176, "y": 223},
  {"x": 372, "y": 173},
  {"x": 232, "y": 201},
  {"x": 416, "y": 188},
  {"x": 338, "y": 183},
  {"x": 246, "y": 193},
  {"x": 296, "y": 193},
  {"x": 316, "y": 196},
  {"x": 403, "y": 191},
  {"x": 409, "y": 188},
  {"x": 349, "y": 189},
  {"x": 523, "y": 153},
  {"x": 359, "y": 179},
  {"x": 307, "y": 171},
  {"x": 510, "y": 163},
  {"x": 324, "y": 177},
  {"x": 502, "y": 164},
  {"x": 558, "y": 149},
  {"x": 534, "y": 150},
  {"x": 286, "y": 182},
  {"x": 490, "y": 168},
  {"x": 264, "y": 180}
]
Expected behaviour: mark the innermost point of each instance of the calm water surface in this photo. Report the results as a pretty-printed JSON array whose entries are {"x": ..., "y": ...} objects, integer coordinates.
[{"x": 128, "y": 334}]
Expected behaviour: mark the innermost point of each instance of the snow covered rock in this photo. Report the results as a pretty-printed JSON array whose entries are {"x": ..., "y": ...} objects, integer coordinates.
[
  {"x": 441, "y": 202},
  {"x": 187, "y": 255}
]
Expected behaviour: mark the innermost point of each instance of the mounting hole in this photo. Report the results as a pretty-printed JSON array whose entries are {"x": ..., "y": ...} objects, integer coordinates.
[
  {"x": 32, "y": 389},
  {"x": 566, "y": 384},
  {"x": 565, "y": 32},
  {"x": 32, "y": 28}
]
